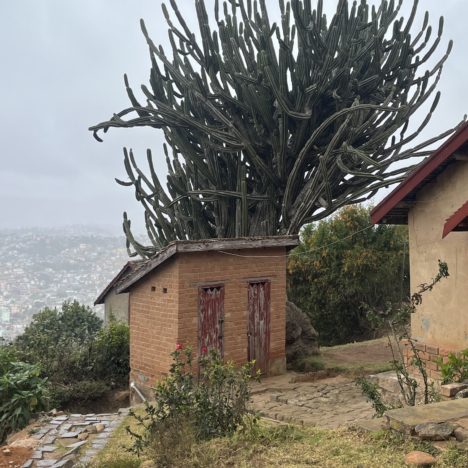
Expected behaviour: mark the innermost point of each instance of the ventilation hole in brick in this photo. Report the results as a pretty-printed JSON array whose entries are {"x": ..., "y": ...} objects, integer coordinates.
[
  {"x": 153, "y": 288},
  {"x": 164, "y": 290}
]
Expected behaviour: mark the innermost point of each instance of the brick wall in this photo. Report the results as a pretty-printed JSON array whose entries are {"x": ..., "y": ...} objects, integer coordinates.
[
  {"x": 429, "y": 355},
  {"x": 153, "y": 325},
  {"x": 234, "y": 273},
  {"x": 159, "y": 320}
]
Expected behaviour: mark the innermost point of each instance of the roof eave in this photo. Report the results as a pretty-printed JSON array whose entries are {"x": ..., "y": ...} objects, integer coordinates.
[
  {"x": 102, "y": 297},
  {"x": 417, "y": 176},
  {"x": 455, "y": 220},
  {"x": 207, "y": 245}
]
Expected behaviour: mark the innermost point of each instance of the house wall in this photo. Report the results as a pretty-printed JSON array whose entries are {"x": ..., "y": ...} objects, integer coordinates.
[
  {"x": 153, "y": 325},
  {"x": 441, "y": 321},
  {"x": 116, "y": 306},
  {"x": 156, "y": 327},
  {"x": 213, "y": 268}
]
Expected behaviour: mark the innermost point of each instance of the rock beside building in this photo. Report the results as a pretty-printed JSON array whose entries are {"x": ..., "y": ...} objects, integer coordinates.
[{"x": 301, "y": 336}]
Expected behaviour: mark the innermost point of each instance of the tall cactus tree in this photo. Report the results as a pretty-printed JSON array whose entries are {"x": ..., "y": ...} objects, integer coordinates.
[{"x": 270, "y": 126}]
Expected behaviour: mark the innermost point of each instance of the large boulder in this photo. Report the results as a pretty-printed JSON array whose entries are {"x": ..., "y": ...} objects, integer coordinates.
[{"x": 301, "y": 336}]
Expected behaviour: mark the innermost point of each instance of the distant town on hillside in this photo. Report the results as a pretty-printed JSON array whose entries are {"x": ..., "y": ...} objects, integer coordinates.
[{"x": 44, "y": 267}]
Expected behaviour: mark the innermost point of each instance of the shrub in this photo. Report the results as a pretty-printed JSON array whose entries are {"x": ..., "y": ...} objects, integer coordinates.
[
  {"x": 61, "y": 342},
  {"x": 80, "y": 359},
  {"x": 112, "y": 353},
  {"x": 372, "y": 392},
  {"x": 8, "y": 355},
  {"x": 309, "y": 364},
  {"x": 172, "y": 441},
  {"x": 398, "y": 320},
  {"x": 22, "y": 393},
  {"x": 211, "y": 405},
  {"x": 456, "y": 367},
  {"x": 76, "y": 392},
  {"x": 343, "y": 267}
]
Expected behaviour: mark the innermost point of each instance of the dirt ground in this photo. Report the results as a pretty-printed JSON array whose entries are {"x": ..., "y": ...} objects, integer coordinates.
[
  {"x": 110, "y": 402},
  {"x": 16, "y": 458},
  {"x": 19, "y": 447},
  {"x": 370, "y": 356}
]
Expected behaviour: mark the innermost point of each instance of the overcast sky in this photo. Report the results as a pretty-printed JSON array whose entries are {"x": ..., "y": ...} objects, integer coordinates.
[{"x": 62, "y": 66}]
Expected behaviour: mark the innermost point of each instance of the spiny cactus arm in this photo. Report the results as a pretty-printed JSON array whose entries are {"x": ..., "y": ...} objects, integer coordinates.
[{"x": 274, "y": 125}]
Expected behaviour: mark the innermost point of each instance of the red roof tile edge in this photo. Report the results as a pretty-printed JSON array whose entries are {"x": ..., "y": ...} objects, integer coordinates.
[
  {"x": 455, "y": 219},
  {"x": 417, "y": 176}
]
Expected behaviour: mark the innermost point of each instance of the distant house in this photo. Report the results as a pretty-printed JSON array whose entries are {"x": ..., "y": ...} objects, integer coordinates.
[
  {"x": 433, "y": 202},
  {"x": 223, "y": 294},
  {"x": 116, "y": 306}
]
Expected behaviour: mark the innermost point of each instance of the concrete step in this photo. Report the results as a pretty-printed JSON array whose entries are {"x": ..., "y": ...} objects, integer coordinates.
[{"x": 407, "y": 418}]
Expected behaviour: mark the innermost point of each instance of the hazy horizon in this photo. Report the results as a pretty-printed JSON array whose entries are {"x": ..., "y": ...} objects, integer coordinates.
[{"x": 63, "y": 64}]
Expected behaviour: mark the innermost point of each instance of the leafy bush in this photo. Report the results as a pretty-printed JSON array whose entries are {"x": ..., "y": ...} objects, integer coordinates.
[
  {"x": 61, "y": 342},
  {"x": 189, "y": 409},
  {"x": 81, "y": 359},
  {"x": 399, "y": 320},
  {"x": 456, "y": 367},
  {"x": 309, "y": 364},
  {"x": 112, "y": 353},
  {"x": 372, "y": 392},
  {"x": 76, "y": 392},
  {"x": 343, "y": 267},
  {"x": 22, "y": 393},
  {"x": 8, "y": 355}
]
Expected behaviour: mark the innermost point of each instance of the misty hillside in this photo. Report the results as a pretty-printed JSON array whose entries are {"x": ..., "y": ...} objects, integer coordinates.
[{"x": 44, "y": 267}]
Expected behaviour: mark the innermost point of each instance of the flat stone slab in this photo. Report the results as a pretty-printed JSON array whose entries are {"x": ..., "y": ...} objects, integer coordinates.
[
  {"x": 407, "y": 418},
  {"x": 42, "y": 463},
  {"x": 37, "y": 455},
  {"x": 48, "y": 448},
  {"x": 77, "y": 444},
  {"x": 450, "y": 390},
  {"x": 371, "y": 425},
  {"x": 67, "y": 432},
  {"x": 331, "y": 402},
  {"x": 64, "y": 464},
  {"x": 69, "y": 435}
]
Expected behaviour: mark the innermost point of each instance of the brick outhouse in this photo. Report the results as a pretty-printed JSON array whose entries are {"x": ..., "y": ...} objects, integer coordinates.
[{"x": 226, "y": 294}]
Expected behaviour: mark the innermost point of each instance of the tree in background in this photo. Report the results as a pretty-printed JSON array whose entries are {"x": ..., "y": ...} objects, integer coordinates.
[
  {"x": 344, "y": 267},
  {"x": 271, "y": 126},
  {"x": 60, "y": 340},
  {"x": 81, "y": 359}
]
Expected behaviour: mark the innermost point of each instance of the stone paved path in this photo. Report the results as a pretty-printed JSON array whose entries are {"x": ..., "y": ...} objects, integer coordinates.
[
  {"x": 330, "y": 402},
  {"x": 68, "y": 440}
]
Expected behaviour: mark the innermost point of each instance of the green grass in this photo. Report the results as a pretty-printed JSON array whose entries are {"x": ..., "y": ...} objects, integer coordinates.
[
  {"x": 354, "y": 344},
  {"x": 274, "y": 445},
  {"x": 115, "y": 453},
  {"x": 330, "y": 357},
  {"x": 361, "y": 369}
]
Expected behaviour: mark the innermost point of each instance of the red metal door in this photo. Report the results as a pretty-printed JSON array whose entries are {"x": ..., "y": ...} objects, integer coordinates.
[
  {"x": 211, "y": 318},
  {"x": 259, "y": 325}
]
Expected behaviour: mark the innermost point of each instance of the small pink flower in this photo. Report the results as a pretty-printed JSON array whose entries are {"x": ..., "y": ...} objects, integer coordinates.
[
  {"x": 204, "y": 349},
  {"x": 179, "y": 346}
]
